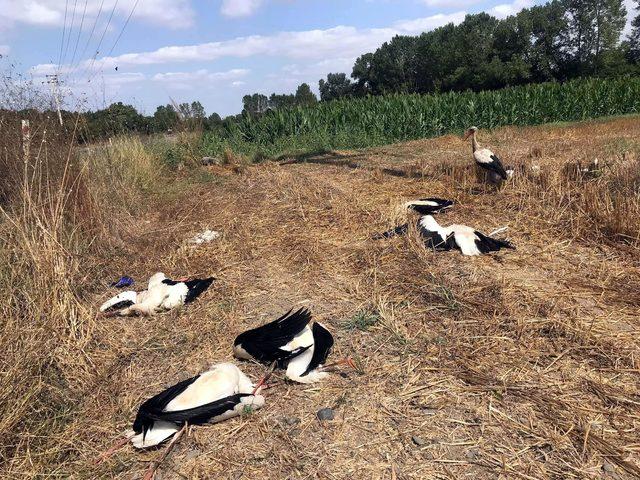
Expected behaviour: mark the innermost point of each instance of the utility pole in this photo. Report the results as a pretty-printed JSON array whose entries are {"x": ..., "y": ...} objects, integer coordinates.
[{"x": 54, "y": 83}]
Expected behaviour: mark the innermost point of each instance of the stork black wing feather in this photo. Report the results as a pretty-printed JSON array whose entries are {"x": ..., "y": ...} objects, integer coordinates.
[
  {"x": 201, "y": 414},
  {"x": 442, "y": 204},
  {"x": 197, "y": 287},
  {"x": 119, "y": 306},
  {"x": 488, "y": 244},
  {"x": 496, "y": 166},
  {"x": 322, "y": 344},
  {"x": 264, "y": 343},
  {"x": 157, "y": 403}
]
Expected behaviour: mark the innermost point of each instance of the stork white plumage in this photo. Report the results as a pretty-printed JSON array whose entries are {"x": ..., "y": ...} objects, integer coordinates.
[
  {"x": 162, "y": 294},
  {"x": 289, "y": 343},
  {"x": 424, "y": 206},
  {"x": 468, "y": 240},
  {"x": 486, "y": 160},
  {"x": 218, "y": 394}
]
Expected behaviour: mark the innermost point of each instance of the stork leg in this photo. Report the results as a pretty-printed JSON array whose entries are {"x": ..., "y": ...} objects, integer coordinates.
[
  {"x": 345, "y": 361},
  {"x": 151, "y": 471},
  {"x": 117, "y": 445}
]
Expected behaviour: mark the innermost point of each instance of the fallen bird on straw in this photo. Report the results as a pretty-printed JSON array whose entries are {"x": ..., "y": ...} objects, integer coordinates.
[
  {"x": 162, "y": 294},
  {"x": 289, "y": 343},
  {"x": 218, "y": 394}
]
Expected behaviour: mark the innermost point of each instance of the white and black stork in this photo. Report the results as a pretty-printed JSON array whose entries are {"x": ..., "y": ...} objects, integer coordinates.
[
  {"x": 487, "y": 160},
  {"x": 290, "y": 344},
  {"x": 468, "y": 240},
  {"x": 161, "y": 294},
  {"x": 218, "y": 394}
]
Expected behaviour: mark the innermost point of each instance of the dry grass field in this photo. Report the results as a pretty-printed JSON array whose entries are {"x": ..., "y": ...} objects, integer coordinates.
[{"x": 524, "y": 364}]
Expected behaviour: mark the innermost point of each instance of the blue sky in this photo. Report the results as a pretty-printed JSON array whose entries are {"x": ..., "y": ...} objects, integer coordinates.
[{"x": 214, "y": 51}]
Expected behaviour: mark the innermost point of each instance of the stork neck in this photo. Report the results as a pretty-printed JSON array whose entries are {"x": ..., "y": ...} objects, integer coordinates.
[{"x": 474, "y": 142}]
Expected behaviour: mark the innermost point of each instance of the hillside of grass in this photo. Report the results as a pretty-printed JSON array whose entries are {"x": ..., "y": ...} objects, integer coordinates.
[{"x": 378, "y": 120}]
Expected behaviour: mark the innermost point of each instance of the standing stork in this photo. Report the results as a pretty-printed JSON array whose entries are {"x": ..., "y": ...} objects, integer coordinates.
[{"x": 486, "y": 160}]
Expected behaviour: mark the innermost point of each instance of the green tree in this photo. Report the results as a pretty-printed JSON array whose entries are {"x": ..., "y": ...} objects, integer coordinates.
[
  {"x": 592, "y": 33},
  {"x": 165, "y": 118},
  {"x": 336, "y": 86},
  {"x": 633, "y": 41},
  {"x": 197, "y": 111},
  {"x": 116, "y": 119},
  {"x": 281, "y": 101},
  {"x": 362, "y": 73},
  {"x": 255, "y": 105},
  {"x": 304, "y": 96}
]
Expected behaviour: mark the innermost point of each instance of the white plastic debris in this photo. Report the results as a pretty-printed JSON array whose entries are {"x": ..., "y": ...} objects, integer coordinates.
[{"x": 205, "y": 237}]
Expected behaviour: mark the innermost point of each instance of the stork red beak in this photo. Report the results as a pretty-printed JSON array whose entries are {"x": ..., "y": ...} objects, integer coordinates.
[
  {"x": 467, "y": 134},
  {"x": 264, "y": 379}
]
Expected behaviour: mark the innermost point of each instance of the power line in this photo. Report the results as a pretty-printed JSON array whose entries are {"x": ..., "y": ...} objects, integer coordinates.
[
  {"x": 73, "y": 19},
  {"x": 75, "y": 49},
  {"x": 64, "y": 27},
  {"x": 93, "y": 60},
  {"x": 86, "y": 45},
  {"x": 123, "y": 27}
]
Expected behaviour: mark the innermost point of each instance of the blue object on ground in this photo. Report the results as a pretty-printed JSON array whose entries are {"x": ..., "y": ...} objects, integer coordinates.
[{"x": 123, "y": 282}]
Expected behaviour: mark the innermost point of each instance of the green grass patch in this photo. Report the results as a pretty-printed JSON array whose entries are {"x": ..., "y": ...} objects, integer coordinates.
[{"x": 362, "y": 320}]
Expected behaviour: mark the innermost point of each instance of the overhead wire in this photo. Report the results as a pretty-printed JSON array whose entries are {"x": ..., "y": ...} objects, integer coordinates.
[
  {"x": 93, "y": 58},
  {"x": 93, "y": 29},
  {"x": 64, "y": 27},
  {"x": 75, "y": 49}
]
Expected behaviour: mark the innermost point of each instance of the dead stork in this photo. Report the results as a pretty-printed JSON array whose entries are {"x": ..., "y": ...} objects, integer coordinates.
[
  {"x": 486, "y": 160},
  {"x": 424, "y": 206},
  {"x": 468, "y": 240},
  {"x": 218, "y": 394},
  {"x": 162, "y": 294},
  {"x": 289, "y": 343}
]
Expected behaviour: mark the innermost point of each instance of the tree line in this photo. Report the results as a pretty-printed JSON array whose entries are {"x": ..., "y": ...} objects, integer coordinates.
[
  {"x": 557, "y": 41},
  {"x": 119, "y": 118}
]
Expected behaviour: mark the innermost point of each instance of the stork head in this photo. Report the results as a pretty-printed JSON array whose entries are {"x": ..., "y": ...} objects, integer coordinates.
[{"x": 470, "y": 131}]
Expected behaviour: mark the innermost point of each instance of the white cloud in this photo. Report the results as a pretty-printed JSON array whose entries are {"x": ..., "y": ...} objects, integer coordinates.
[
  {"x": 5, "y": 49},
  {"x": 505, "y": 10},
  {"x": 450, "y": 3},
  {"x": 200, "y": 78},
  {"x": 51, "y": 13},
  {"x": 336, "y": 42},
  {"x": 239, "y": 8}
]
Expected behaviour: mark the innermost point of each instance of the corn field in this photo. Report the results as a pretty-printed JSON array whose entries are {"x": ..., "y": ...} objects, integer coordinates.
[{"x": 362, "y": 122}]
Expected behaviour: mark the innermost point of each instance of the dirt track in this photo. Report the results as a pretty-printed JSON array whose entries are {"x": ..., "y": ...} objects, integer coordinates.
[{"x": 522, "y": 364}]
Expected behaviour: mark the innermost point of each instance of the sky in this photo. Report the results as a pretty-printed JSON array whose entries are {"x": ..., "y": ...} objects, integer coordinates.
[{"x": 152, "y": 52}]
